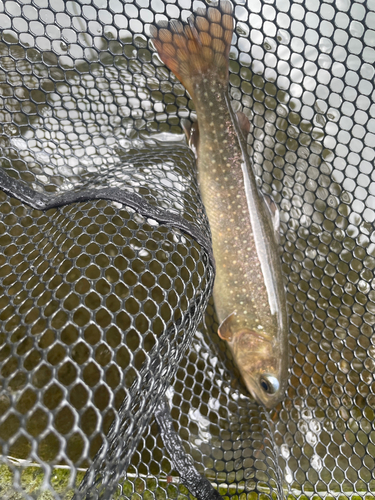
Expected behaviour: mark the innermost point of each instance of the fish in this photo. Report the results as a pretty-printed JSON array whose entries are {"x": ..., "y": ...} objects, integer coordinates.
[{"x": 249, "y": 294}]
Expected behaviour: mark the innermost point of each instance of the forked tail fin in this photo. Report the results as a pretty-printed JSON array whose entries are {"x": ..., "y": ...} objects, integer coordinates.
[{"x": 198, "y": 48}]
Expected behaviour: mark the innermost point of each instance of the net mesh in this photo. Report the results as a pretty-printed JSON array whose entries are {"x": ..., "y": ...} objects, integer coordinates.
[{"x": 101, "y": 295}]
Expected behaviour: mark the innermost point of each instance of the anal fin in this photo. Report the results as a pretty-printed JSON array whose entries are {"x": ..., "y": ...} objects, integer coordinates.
[
  {"x": 243, "y": 122},
  {"x": 275, "y": 215}
]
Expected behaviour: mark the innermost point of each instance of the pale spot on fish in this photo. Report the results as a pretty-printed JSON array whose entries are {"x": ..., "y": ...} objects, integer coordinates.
[{"x": 212, "y": 124}]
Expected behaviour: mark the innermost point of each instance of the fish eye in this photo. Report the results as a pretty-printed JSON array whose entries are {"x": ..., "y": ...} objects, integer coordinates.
[{"x": 269, "y": 384}]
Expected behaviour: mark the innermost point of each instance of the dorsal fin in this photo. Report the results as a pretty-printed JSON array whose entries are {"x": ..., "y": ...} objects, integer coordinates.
[{"x": 192, "y": 135}]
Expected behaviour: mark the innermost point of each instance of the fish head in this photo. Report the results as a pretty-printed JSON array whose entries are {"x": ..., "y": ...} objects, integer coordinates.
[
  {"x": 259, "y": 358},
  {"x": 261, "y": 366}
]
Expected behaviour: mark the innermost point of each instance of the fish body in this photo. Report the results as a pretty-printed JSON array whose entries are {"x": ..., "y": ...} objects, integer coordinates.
[{"x": 248, "y": 293}]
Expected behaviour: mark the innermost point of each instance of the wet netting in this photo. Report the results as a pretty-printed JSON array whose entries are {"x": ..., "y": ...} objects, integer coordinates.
[{"x": 106, "y": 267}]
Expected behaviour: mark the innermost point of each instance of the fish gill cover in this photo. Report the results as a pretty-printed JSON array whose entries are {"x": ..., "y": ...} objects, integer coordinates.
[{"x": 101, "y": 297}]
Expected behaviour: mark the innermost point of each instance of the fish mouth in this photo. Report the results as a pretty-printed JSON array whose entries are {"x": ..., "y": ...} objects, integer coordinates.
[
  {"x": 260, "y": 402},
  {"x": 254, "y": 395}
]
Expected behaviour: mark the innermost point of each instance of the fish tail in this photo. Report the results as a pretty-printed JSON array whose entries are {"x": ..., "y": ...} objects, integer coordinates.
[{"x": 198, "y": 48}]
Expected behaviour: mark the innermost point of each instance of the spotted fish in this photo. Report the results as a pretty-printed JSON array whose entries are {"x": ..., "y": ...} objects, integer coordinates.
[{"x": 248, "y": 293}]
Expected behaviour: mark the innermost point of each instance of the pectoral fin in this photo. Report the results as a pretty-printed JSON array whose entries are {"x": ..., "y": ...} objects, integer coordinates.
[
  {"x": 225, "y": 328},
  {"x": 275, "y": 215}
]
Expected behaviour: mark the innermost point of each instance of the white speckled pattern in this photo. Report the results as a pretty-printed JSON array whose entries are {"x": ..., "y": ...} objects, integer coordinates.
[{"x": 248, "y": 292}]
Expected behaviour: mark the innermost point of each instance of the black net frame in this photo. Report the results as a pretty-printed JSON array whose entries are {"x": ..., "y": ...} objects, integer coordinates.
[{"x": 82, "y": 95}]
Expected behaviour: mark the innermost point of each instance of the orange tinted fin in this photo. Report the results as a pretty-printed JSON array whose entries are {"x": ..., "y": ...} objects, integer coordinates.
[
  {"x": 243, "y": 122},
  {"x": 200, "y": 46},
  {"x": 224, "y": 330}
]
